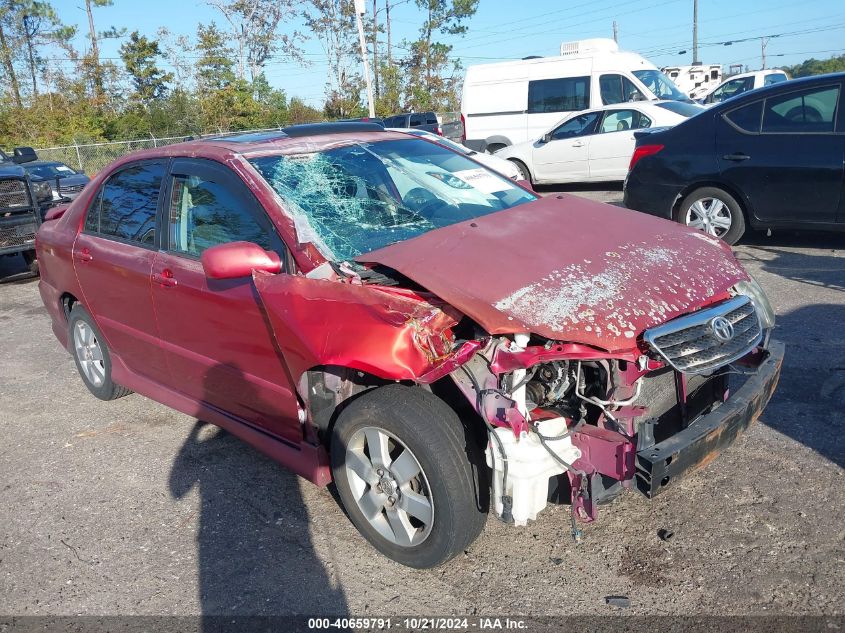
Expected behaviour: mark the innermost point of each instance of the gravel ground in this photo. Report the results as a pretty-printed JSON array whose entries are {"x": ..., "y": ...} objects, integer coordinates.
[{"x": 131, "y": 508}]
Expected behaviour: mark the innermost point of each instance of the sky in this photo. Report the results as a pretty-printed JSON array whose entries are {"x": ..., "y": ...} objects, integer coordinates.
[{"x": 660, "y": 30}]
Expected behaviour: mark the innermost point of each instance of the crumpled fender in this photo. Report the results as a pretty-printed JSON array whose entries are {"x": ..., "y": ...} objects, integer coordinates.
[{"x": 390, "y": 333}]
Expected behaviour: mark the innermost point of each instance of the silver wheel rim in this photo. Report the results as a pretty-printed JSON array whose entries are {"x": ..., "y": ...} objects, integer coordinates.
[
  {"x": 89, "y": 354},
  {"x": 389, "y": 486},
  {"x": 521, "y": 171},
  {"x": 710, "y": 215}
]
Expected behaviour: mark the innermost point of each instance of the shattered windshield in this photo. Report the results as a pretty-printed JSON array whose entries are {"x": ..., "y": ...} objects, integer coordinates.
[{"x": 357, "y": 198}]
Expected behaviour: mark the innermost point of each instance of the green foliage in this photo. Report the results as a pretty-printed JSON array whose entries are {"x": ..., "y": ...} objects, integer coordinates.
[
  {"x": 814, "y": 66},
  {"x": 139, "y": 56}
]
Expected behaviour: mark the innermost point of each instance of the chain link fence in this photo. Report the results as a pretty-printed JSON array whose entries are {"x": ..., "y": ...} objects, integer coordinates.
[{"x": 92, "y": 157}]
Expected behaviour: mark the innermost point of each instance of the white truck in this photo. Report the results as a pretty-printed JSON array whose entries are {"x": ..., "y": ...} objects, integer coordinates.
[{"x": 510, "y": 102}]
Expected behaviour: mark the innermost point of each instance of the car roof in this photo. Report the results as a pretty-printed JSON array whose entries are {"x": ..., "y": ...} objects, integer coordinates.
[
  {"x": 783, "y": 86},
  {"x": 311, "y": 137},
  {"x": 41, "y": 163}
]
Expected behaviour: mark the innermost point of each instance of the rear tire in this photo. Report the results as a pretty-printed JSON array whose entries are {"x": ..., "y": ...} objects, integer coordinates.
[
  {"x": 714, "y": 211},
  {"x": 31, "y": 261},
  {"x": 521, "y": 167},
  {"x": 400, "y": 447},
  {"x": 494, "y": 147},
  {"x": 91, "y": 355}
]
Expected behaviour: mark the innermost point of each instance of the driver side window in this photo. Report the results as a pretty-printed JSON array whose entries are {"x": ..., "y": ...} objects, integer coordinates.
[
  {"x": 581, "y": 125},
  {"x": 204, "y": 213}
]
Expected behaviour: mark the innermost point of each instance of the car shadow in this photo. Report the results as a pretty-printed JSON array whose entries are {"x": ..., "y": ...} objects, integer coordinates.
[
  {"x": 13, "y": 270},
  {"x": 817, "y": 268},
  {"x": 579, "y": 186},
  {"x": 256, "y": 557}
]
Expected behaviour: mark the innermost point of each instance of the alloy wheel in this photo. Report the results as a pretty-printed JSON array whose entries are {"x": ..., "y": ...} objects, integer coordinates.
[
  {"x": 389, "y": 486},
  {"x": 89, "y": 353}
]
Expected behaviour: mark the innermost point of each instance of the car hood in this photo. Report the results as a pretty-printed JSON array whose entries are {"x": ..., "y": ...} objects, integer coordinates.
[
  {"x": 75, "y": 179},
  {"x": 568, "y": 269}
]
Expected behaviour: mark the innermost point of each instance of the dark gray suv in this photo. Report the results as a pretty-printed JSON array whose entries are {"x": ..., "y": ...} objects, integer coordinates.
[{"x": 416, "y": 120}]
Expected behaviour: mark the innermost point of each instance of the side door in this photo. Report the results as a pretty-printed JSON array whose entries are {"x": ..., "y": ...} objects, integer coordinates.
[
  {"x": 784, "y": 155},
  {"x": 565, "y": 157},
  {"x": 113, "y": 257},
  {"x": 613, "y": 144},
  {"x": 219, "y": 347}
]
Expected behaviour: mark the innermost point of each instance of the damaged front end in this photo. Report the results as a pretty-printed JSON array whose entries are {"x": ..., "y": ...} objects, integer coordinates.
[{"x": 571, "y": 423}]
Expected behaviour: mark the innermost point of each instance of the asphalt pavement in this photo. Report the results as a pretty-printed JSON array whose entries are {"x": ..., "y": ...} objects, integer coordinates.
[{"x": 128, "y": 507}]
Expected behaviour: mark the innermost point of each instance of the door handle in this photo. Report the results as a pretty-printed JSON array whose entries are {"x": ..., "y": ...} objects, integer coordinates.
[
  {"x": 164, "y": 278},
  {"x": 736, "y": 157},
  {"x": 84, "y": 255},
  {"x": 578, "y": 144}
]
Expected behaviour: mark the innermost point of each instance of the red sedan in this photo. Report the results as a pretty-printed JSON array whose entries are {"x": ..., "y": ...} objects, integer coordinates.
[{"x": 379, "y": 311}]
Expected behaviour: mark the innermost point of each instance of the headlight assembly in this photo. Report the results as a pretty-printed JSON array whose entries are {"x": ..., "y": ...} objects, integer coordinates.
[{"x": 753, "y": 291}]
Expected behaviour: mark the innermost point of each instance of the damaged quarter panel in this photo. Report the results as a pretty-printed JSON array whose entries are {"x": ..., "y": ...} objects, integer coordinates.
[{"x": 569, "y": 269}]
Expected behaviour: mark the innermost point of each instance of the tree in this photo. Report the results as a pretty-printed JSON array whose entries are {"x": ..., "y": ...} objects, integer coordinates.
[
  {"x": 8, "y": 48},
  {"x": 139, "y": 55},
  {"x": 94, "y": 68},
  {"x": 254, "y": 27},
  {"x": 214, "y": 67},
  {"x": 817, "y": 66},
  {"x": 333, "y": 23}
]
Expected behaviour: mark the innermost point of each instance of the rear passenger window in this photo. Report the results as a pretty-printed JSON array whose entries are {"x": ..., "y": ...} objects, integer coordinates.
[
  {"x": 559, "y": 95},
  {"x": 417, "y": 120},
  {"x": 809, "y": 111},
  {"x": 622, "y": 120},
  {"x": 747, "y": 118},
  {"x": 128, "y": 203},
  {"x": 431, "y": 119}
]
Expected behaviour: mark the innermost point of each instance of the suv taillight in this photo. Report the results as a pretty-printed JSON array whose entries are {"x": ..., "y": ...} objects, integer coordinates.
[
  {"x": 642, "y": 152},
  {"x": 463, "y": 128}
]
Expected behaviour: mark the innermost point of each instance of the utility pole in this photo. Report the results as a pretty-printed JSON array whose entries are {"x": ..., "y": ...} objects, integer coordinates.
[
  {"x": 360, "y": 9},
  {"x": 695, "y": 31},
  {"x": 387, "y": 19},
  {"x": 375, "y": 46},
  {"x": 615, "y": 32},
  {"x": 764, "y": 42}
]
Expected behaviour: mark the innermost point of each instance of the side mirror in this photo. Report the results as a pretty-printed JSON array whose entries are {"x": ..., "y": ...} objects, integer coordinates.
[
  {"x": 546, "y": 137},
  {"x": 238, "y": 259}
]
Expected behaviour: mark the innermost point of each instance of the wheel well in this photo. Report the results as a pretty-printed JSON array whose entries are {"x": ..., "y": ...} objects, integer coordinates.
[
  {"x": 328, "y": 389},
  {"x": 740, "y": 200},
  {"x": 67, "y": 302},
  {"x": 522, "y": 163}
]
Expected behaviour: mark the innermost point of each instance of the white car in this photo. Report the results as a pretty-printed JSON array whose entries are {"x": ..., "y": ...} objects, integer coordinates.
[
  {"x": 595, "y": 145},
  {"x": 737, "y": 84},
  {"x": 500, "y": 165}
]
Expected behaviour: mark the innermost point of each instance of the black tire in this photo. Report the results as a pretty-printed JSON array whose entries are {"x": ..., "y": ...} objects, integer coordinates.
[
  {"x": 523, "y": 168},
  {"x": 494, "y": 147},
  {"x": 437, "y": 439},
  {"x": 107, "y": 390},
  {"x": 31, "y": 261},
  {"x": 737, "y": 217}
]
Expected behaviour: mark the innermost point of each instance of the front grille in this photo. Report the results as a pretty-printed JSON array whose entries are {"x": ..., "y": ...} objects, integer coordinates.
[
  {"x": 13, "y": 194},
  {"x": 71, "y": 188},
  {"x": 17, "y": 235},
  {"x": 689, "y": 343}
]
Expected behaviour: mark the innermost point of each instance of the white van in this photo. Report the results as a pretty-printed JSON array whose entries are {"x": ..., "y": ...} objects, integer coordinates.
[{"x": 511, "y": 102}]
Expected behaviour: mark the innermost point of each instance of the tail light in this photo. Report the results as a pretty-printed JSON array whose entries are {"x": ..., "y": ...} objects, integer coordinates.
[
  {"x": 439, "y": 130},
  {"x": 463, "y": 128},
  {"x": 642, "y": 152}
]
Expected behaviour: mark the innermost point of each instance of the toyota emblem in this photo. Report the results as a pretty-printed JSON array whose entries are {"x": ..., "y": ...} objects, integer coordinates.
[{"x": 723, "y": 329}]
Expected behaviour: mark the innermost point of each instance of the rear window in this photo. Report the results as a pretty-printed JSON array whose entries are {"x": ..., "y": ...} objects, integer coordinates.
[
  {"x": 683, "y": 109},
  {"x": 810, "y": 111},
  {"x": 776, "y": 78},
  {"x": 559, "y": 95},
  {"x": 747, "y": 118},
  {"x": 417, "y": 120}
]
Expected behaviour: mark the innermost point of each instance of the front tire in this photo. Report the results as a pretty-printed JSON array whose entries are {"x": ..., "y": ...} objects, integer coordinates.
[
  {"x": 91, "y": 355},
  {"x": 713, "y": 211},
  {"x": 31, "y": 261},
  {"x": 400, "y": 463},
  {"x": 524, "y": 174}
]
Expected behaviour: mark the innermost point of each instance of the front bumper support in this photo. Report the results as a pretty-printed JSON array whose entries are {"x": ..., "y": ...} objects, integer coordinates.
[{"x": 700, "y": 443}]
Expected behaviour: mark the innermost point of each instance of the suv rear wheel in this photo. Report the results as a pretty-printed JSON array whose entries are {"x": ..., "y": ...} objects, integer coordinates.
[{"x": 399, "y": 461}]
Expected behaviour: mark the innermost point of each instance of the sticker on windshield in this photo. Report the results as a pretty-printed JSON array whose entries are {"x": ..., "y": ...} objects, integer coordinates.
[{"x": 482, "y": 180}]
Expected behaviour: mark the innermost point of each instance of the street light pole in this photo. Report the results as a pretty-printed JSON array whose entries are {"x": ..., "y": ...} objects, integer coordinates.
[
  {"x": 360, "y": 9},
  {"x": 694, "y": 31}
]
